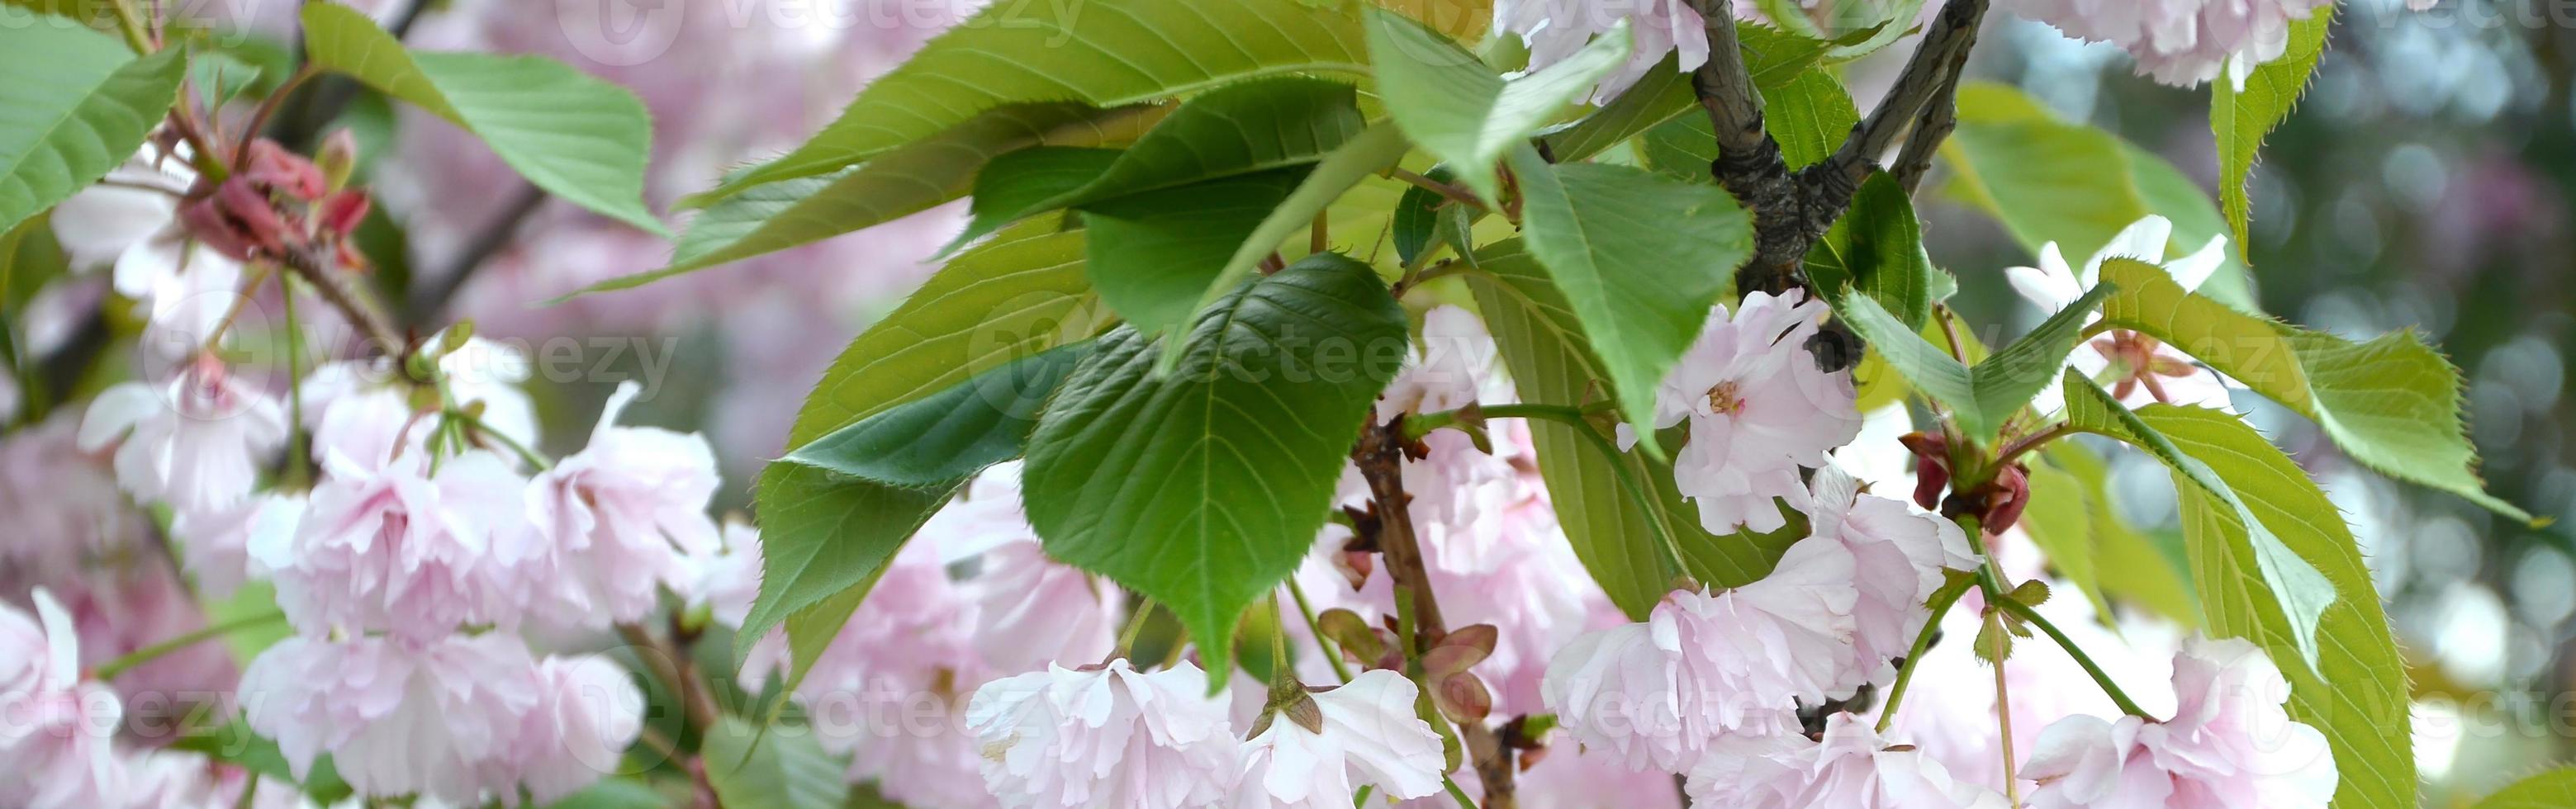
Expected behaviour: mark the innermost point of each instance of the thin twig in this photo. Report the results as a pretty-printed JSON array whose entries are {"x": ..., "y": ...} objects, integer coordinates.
[
  {"x": 317, "y": 265},
  {"x": 1932, "y": 126},
  {"x": 428, "y": 306},
  {"x": 1445, "y": 190},
  {"x": 1936, "y": 60}
]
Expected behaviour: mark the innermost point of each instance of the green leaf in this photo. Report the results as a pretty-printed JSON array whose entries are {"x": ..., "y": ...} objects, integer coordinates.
[
  {"x": 1417, "y": 218},
  {"x": 1639, "y": 257},
  {"x": 1346, "y": 168},
  {"x": 1877, "y": 248},
  {"x": 751, "y": 767},
  {"x": 945, "y": 438},
  {"x": 1105, "y": 53},
  {"x": 2153, "y": 573},
  {"x": 1615, "y": 507},
  {"x": 2288, "y": 587},
  {"x": 236, "y": 744},
  {"x": 2239, "y": 119},
  {"x": 2059, "y": 520},
  {"x": 615, "y": 793},
  {"x": 1153, "y": 255},
  {"x": 1018, "y": 184},
  {"x": 1203, "y": 488},
  {"x": 1808, "y": 115},
  {"x": 2356, "y": 695},
  {"x": 1454, "y": 107},
  {"x": 1771, "y": 56},
  {"x": 1982, "y": 398},
  {"x": 78, "y": 105},
  {"x": 826, "y": 537},
  {"x": 2392, "y": 403},
  {"x": 1233, "y": 130},
  {"x": 580, "y": 138},
  {"x": 780, "y": 215},
  {"x": 2548, "y": 790}
]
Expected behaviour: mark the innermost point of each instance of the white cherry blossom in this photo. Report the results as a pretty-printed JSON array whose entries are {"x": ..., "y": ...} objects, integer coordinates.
[
  {"x": 1365, "y": 732},
  {"x": 1105, "y": 736}
]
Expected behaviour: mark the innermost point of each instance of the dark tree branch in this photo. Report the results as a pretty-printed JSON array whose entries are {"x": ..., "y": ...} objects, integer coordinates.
[
  {"x": 1929, "y": 75},
  {"x": 429, "y": 305},
  {"x": 1748, "y": 161},
  {"x": 1380, "y": 457},
  {"x": 1932, "y": 126}
]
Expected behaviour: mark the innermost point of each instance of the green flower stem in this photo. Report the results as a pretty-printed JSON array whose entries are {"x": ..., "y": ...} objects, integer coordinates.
[
  {"x": 1941, "y": 602},
  {"x": 2101, "y": 678},
  {"x": 1135, "y": 626},
  {"x": 110, "y": 669}
]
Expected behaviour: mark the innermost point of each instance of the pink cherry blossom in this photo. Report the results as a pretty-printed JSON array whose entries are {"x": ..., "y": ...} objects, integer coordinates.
[
  {"x": 588, "y": 711},
  {"x": 1454, "y": 365},
  {"x": 397, "y": 717},
  {"x": 60, "y": 726},
  {"x": 889, "y": 689},
  {"x": 2180, "y": 42},
  {"x": 63, "y": 504},
  {"x": 1706, "y": 665},
  {"x": 1850, "y": 767},
  {"x": 1758, "y": 409},
  {"x": 620, "y": 517},
  {"x": 727, "y": 580},
  {"x": 2229, "y": 744},
  {"x": 215, "y": 544},
  {"x": 1899, "y": 555},
  {"x": 1366, "y": 732},
  {"x": 196, "y": 443},
  {"x": 2155, "y": 372},
  {"x": 1105, "y": 736},
  {"x": 1556, "y": 29},
  {"x": 402, "y": 549},
  {"x": 1030, "y": 610}
]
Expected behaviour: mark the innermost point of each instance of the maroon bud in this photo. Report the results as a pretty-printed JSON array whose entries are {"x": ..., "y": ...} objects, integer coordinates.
[
  {"x": 1931, "y": 467},
  {"x": 1464, "y": 698},
  {"x": 284, "y": 172},
  {"x": 204, "y": 219},
  {"x": 1480, "y": 637},
  {"x": 251, "y": 217},
  {"x": 2006, "y": 497},
  {"x": 342, "y": 211}
]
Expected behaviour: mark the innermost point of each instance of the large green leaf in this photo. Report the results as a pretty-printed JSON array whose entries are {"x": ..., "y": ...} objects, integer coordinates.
[
  {"x": 1877, "y": 248},
  {"x": 751, "y": 767},
  {"x": 1617, "y": 508},
  {"x": 1638, "y": 256},
  {"x": 1372, "y": 151},
  {"x": 914, "y": 178},
  {"x": 1981, "y": 399},
  {"x": 2276, "y": 579},
  {"x": 2392, "y": 403},
  {"x": 1454, "y": 107},
  {"x": 1154, "y": 254},
  {"x": 1105, "y": 53},
  {"x": 2548, "y": 790},
  {"x": 1204, "y": 487},
  {"x": 827, "y": 536},
  {"x": 76, "y": 105},
  {"x": 1237, "y": 129},
  {"x": 944, "y": 438},
  {"x": 579, "y": 138},
  {"x": 2356, "y": 693},
  {"x": 2240, "y": 118}
]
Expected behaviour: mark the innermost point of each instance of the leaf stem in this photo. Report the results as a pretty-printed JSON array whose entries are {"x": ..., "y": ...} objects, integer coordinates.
[
  {"x": 484, "y": 429},
  {"x": 2028, "y": 443},
  {"x": 110, "y": 669},
  {"x": 1315, "y": 627},
  {"x": 1451, "y": 192},
  {"x": 1942, "y": 600},
  {"x": 1135, "y": 626},
  {"x": 2003, "y": 703},
  {"x": 1457, "y": 794},
  {"x": 2101, "y": 678}
]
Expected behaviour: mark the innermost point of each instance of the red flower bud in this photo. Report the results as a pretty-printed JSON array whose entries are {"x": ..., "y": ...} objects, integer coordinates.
[
  {"x": 284, "y": 172},
  {"x": 1931, "y": 467},
  {"x": 342, "y": 211}
]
